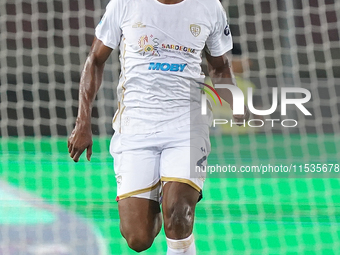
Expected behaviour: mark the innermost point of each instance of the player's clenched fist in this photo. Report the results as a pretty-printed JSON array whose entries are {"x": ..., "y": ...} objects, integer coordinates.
[{"x": 79, "y": 140}]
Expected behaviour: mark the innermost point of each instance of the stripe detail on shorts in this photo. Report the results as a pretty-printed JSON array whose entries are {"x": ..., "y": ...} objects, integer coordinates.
[
  {"x": 174, "y": 179},
  {"x": 136, "y": 192}
]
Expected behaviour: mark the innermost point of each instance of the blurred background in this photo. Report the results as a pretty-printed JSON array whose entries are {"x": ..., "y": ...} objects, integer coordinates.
[{"x": 278, "y": 43}]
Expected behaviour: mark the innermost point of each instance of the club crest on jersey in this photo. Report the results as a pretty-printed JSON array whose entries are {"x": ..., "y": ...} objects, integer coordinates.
[{"x": 195, "y": 30}]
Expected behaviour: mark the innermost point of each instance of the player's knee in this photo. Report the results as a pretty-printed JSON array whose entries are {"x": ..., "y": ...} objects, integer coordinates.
[
  {"x": 138, "y": 240},
  {"x": 179, "y": 219},
  {"x": 139, "y": 243}
]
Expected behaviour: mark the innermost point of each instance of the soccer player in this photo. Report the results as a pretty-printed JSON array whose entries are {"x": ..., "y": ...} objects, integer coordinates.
[{"x": 160, "y": 133}]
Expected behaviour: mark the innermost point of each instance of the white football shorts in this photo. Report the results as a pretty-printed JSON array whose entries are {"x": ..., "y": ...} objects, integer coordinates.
[{"x": 145, "y": 162}]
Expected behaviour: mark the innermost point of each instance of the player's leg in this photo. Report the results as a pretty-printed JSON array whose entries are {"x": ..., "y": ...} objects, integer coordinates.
[
  {"x": 138, "y": 188},
  {"x": 140, "y": 221},
  {"x": 182, "y": 187},
  {"x": 179, "y": 202}
]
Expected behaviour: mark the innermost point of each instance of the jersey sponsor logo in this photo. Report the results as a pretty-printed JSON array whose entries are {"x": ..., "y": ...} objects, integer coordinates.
[
  {"x": 227, "y": 30},
  {"x": 167, "y": 67},
  {"x": 195, "y": 30},
  {"x": 138, "y": 25},
  {"x": 178, "y": 48},
  {"x": 148, "y": 45}
]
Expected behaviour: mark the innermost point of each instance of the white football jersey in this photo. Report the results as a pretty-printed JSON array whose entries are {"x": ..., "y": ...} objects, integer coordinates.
[{"x": 161, "y": 53}]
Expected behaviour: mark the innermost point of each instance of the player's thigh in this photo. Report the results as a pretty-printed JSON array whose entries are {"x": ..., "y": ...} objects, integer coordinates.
[
  {"x": 178, "y": 193},
  {"x": 179, "y": 202},
  {"x": 138, "y": 188},
  {"x": 139, "y": 217}
]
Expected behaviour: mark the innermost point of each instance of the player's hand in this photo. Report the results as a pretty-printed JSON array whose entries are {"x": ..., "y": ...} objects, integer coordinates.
[
  {"x": 79, "y": 140},
  {"x": 244, "y": 117}
]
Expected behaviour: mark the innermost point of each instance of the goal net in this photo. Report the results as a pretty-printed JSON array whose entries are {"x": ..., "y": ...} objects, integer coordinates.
[{"x": 287, "y": 198}]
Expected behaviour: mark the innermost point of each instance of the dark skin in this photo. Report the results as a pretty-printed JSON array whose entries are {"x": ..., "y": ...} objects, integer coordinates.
[
  {"x": 140, "y": 222},
  {"x": 140, "y": 219},
  {"x": 90, "y": 81}
]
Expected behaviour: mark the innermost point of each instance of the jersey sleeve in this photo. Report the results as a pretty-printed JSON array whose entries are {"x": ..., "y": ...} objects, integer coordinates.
[
  {"x": 109, "y": 28},
  {"x": 219, "y": 40}
]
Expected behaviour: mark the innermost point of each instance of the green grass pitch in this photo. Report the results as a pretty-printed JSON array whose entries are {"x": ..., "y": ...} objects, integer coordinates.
[{"x": 236, "y": 216}]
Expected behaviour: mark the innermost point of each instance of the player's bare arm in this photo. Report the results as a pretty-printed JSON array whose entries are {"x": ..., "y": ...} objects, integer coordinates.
[
  {"x": 220, "y": 73},
  {"x": 91, "y": 78}
]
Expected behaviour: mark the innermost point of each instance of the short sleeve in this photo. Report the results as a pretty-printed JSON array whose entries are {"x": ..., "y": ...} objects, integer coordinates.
[
  {"x": 109, "y": 28},
  {"x": 220, "y": 41}
]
